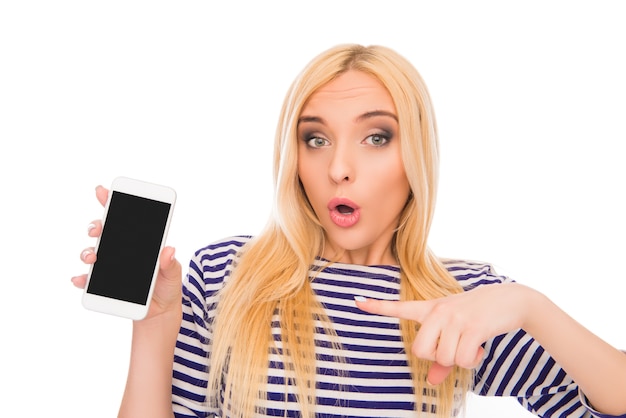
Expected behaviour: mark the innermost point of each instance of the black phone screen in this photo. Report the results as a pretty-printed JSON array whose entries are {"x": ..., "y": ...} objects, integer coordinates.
[{"x": 129, "y": 248}]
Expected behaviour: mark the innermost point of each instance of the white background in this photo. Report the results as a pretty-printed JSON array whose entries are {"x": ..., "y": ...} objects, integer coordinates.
[{"x": 530, "y": 99}]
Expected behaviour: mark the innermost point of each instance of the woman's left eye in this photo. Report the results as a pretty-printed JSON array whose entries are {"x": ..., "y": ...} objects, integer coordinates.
[
  {"x": 377, "y": 140},
  {"x": 316, "y": 142}
]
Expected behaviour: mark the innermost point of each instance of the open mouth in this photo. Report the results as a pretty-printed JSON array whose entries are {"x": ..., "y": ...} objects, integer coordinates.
[
  {"x": 344, "y": 209},
  {"x": 344, "y": 212}
]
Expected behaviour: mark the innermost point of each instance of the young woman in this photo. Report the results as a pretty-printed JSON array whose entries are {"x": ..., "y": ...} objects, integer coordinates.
[{"x": 339, "y": 308}]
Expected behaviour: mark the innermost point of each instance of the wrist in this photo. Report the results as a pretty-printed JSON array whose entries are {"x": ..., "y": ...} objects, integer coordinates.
[
  {"x": 536, "y": 307},
  {"x": 165, "y": 324}
]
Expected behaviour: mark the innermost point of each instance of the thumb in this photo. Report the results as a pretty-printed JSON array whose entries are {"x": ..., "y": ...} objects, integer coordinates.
[
  {"x": 438, "y": 373},
  {"x": 170, "y": 267}
]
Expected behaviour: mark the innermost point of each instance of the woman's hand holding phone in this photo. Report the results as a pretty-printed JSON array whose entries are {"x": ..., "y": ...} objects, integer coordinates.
[{"x": 166, "y": 297}]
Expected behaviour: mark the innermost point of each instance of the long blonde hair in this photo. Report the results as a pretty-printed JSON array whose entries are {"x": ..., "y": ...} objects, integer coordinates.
[{"x": 271, "y": 275}]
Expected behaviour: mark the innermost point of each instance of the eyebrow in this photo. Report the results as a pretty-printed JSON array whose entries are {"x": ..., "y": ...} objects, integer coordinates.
[
  {"x": 317, "y": 119},
  {"x": 375, "y": 113},
  {"x": 366, "y": 115}
]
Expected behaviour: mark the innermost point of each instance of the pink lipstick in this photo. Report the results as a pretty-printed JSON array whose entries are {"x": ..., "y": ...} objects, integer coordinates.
[{"x": 343, "y": 212}]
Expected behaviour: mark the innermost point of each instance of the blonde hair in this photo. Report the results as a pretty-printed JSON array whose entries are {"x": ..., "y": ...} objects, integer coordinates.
[{"x": 272, "y": 274}]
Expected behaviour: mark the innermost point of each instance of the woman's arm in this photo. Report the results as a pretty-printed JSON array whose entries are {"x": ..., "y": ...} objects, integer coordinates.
[
  {"x": 453, "y": 329},
  {"x": 598, "y": 368},
  {"x": 148, "y": 390}
]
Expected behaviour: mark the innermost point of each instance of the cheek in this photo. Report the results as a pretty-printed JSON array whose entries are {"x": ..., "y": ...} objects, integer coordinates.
[
  {"x": 308, "y": 178},
  {"x": 402, "y": 182},
  {"x": 303, "y": 173},
  {"x": 389, "y": 181},
  {"x": 403, "y": 188},
  {"x": 395, "y": 192},
  {"x": 398, "y": 179},
  {"x": 393, "y": 195}
]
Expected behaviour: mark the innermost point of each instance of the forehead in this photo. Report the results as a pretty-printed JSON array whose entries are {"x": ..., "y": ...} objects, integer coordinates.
[{"x": 351, "y": 87}]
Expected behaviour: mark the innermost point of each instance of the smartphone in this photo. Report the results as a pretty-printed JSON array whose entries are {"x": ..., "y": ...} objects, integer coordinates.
[{"x": 136, "y": 219}]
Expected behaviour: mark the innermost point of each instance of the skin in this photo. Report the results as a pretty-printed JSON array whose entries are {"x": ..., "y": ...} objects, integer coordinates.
[{"x": 349, "y": 147}]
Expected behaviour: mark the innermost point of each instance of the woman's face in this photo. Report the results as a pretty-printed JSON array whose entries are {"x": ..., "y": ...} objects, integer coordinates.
[{"x": 350, "y": 165}]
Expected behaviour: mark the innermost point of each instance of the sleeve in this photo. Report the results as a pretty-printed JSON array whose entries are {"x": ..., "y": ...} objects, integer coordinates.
[
  {"x": 516, "y": 365},
  {"x": 208, "y": 271}
]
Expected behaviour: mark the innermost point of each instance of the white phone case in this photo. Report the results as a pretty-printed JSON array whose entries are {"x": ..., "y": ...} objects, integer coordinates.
[{"x": 135, "y": 233}]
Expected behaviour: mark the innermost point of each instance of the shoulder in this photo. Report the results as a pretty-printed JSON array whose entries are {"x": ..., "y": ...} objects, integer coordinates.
[
  {"x": 227, "y": 247},
  {"x": 211, "y": 265},
  {"x": 218, "y": 255},
  {"x": 471, "y": 274}
]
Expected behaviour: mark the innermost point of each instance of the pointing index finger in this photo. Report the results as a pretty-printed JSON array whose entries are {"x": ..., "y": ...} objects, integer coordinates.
[{"x": 412, "y": 310}]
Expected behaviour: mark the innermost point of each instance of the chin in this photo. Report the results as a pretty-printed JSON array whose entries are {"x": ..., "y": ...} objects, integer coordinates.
[{"x": 347, "y": 240}]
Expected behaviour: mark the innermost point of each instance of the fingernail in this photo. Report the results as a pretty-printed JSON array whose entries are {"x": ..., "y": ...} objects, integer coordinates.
[
  {"x": 90, "y": 227},
  {"x": 173, "y": 254},
  {"x": 428, "y": 383},
  {"x": 85, "y": 254},
  {"x": 360, "y": 299}
]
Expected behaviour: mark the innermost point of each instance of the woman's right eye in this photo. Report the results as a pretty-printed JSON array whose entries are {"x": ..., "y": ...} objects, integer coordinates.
[{"x": 317, "y": 142}]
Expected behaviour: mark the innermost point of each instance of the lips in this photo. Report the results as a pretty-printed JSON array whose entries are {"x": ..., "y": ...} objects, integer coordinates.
[{"x": 343, "y": 212}]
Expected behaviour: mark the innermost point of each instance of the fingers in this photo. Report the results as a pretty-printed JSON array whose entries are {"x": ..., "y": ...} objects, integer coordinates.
[
  {"x": 445, "y": 342},
  {"x": 88, "y": 255},
  {"x": 427, "y": 343},
  {"x": 94, "y": 229},
  {"x": 413, "y": 310},
  {"x": 451, "y": 352},
  {"x": 102, "y": 194},
  {"x": 437, "y": 374},
  {"x": 80, "y": 281},
  {"x": 469, "y": 352}
]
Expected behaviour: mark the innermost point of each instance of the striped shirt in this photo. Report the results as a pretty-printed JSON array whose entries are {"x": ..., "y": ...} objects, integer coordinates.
[{"x": 375, "y": 378}]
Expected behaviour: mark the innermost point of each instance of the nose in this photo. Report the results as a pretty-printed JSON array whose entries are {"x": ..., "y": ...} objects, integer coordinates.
[{"x": 341, "y": 167}]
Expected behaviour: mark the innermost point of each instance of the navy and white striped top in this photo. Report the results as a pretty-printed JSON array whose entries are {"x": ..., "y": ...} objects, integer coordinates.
[{"x": 375, "y": 377}]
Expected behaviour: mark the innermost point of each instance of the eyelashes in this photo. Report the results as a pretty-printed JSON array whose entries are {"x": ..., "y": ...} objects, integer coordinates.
[
  {"x": 314, "y": 141},
  {"x": 376, "y": 139}
]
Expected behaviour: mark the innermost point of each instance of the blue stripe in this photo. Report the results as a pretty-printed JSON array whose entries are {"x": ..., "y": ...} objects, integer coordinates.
[
  {"x": 479, "y": 376},
  {"x": 198, "y": 351},
  {"x": 527, "y": 371},
  {"x": 359, "y": 274},
  {"x": 237, "y": 241},
  {"x": 514, "y": 364},
  {"x": 203, "y": 367},
  {"x": 188, "y": 395},
  {"x": 354, "y": 289},
  {"x": 188, "y": 379},
  {"x": 502, "y": 362},
  {"x": 543, "y": 375},
  {"x": 563, "y": 399},
  {"x": 364, "y": 324}
]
